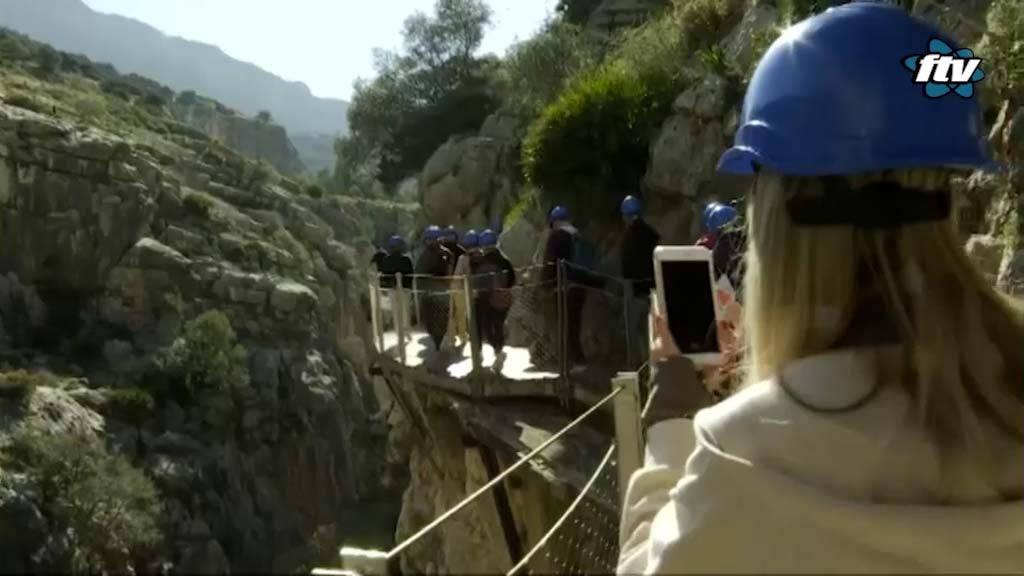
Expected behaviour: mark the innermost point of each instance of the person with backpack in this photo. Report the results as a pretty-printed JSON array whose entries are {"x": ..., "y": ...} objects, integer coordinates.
[
  {"x": 494, "y": 277},
  {"x": 434, "y": 267},
  {"x": 637, "y": 266},
  {"x": 882, "y": 424},
  {"x": 458, "y": 328}
]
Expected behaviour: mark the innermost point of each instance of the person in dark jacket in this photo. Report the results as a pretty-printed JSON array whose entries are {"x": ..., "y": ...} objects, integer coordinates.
[
  {"x": 637, "y": 258},
  {"x": 434, "y": 267},
  {"x": 730, "y": 248},
  {"x": 450, "y": 240},
  {"x": 638, "y": 244},
  {"x": 397, "y": 262},
  {"x": 561, "y": 247},
  {"x": 494, "y": 277}
]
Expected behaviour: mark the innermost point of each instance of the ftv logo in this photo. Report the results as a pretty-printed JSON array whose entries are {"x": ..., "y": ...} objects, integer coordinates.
[{"x": 942, "y": 70}]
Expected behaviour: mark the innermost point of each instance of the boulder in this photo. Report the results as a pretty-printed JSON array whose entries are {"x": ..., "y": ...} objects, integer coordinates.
[
  {"x": 683, "y": 156},
  {"x": 706, "y": 100},
  {"x": 1011, "y": 274},
  {"x": 469, "y": 182},
  {"x": 292, "y": 297},
  {"x": 987, "y": 254},
  {"x": 339, "y": 257},
  {"x": 152, "y": 255},
  {"x": 741, "y": 44}
]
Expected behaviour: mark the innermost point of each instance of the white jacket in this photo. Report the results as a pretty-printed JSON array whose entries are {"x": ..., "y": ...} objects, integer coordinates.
[{"x": 759, "y": 484}]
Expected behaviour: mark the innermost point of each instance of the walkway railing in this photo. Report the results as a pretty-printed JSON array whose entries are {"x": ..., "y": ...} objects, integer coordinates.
[
  {"x": 583, "y": 539},
  {"x": 553, "y": 320}
]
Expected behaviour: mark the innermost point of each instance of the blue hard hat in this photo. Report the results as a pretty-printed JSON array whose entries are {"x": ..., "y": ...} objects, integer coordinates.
[
  {"x": 707, "y": 213},
  {"x": 451, "y": 232},
  {"x": 488, "y": 238},
  {"x": 558, "y": 213},
  {"x": 471, "y": 239},
  {"x": 631, "y": 206},
  {"x": 432, "y": 233},
  {"x": 832, "y": 95},
  {"x": 720, "y": 217},
  {"x": 396, "y": 242}
]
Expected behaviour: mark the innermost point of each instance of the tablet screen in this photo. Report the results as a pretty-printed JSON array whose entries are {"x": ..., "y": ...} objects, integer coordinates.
[{"x": 690, "y": 305}]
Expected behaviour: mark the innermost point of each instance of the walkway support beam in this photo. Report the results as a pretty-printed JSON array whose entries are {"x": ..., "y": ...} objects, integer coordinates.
[
  {"x": 628, "y": 429},
  {"x": 401, "y": 313}
]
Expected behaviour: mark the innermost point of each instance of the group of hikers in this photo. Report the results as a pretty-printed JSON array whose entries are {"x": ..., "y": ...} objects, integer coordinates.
[
  {"x": 439, "y": 278},
  {"x": 447, "y": 259}
]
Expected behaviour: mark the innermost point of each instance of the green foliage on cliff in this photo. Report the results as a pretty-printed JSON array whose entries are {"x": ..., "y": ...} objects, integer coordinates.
[
  {"x": 589, "y": 147},
  {"x": 131, "y": 405},
  {"x": 19, "y": 385},
  {"x": 206, "y": 356},
  {"x": 106, "y": 508},
  {"x": 536, "y": 71},
  {"x": 1003, "y": 50}
]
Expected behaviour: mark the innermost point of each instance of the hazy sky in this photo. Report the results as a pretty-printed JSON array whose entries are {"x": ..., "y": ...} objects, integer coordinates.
[{"x": 325, "y": 43}]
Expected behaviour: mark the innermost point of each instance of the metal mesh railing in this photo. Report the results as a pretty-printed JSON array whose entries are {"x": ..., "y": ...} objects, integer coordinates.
[
  {"x": 555, "y": 317},
  {"x": 582, "y": 539}
]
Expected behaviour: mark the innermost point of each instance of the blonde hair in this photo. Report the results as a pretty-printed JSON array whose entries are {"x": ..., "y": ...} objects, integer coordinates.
[{"x": 805, "y": 286}]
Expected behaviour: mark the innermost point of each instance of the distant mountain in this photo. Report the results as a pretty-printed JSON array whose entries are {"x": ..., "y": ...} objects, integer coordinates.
[{"x": 132, "y": 46}]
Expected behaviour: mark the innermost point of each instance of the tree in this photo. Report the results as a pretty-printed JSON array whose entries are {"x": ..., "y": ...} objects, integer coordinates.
[
  {"x": 577, "y": 11},
  {"x": 264, "y": 117},
  {"x": 537, "y": 70},
  {"x": 434, "y": 88}
]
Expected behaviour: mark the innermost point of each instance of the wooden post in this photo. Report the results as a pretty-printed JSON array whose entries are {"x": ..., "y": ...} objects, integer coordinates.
[
  {"x": 401, "y": 310},
  {"x": 475, "y": 347},
  {"x": 417, "y": 321},
  {"x": 375, "y": 314},
  {"x": 627, "y": 311},
  {"x": 628, "y": 428}
]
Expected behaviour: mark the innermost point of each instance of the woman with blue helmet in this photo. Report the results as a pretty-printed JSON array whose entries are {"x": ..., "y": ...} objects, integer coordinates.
[
  {"x": 883, "y": 425},
  {"x": 493, "y": 276},
  {"x": 458, "y": 324}
]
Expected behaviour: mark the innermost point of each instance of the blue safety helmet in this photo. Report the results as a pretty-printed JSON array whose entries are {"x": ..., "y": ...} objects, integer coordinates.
[
  {"x": 558, "y": 213},
  {"x": 833, "y": 96},
  {"x": 488, "y": 238},
  {"x": 432, "y": 234},
  {"x": 631, "y": 206},
  {"x": 720, "y": 217},
  {"x": 450, "y": 233},
  {"x": 396, "y": 243},
  {"x": 707, "y": 213},
  {"x": 471, "y": 239}
]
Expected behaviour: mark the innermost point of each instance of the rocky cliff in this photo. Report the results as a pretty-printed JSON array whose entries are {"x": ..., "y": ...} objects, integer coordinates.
[
  {"x": 108, "y": 249},
  {"x": 256, "y": 138}
]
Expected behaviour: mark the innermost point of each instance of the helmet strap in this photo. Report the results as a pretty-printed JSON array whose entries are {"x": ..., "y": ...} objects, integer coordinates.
[{"x": 877, "y": 205}]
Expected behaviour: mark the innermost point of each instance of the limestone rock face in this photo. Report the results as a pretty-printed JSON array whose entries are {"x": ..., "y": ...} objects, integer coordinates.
[
  {"x": 257, "y": 139},
  {"x": 471, "y": 181},
  {"x": 107, "y": 250}
]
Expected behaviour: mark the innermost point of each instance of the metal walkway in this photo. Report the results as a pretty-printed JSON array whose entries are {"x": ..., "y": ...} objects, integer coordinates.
[{"x": 582, "y": 538}]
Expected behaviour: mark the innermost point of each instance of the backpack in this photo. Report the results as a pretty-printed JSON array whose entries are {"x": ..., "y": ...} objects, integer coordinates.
[{"x": 584, "y": 255}]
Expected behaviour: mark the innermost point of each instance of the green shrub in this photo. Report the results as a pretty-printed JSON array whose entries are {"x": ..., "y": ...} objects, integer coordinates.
[
  {"x": 535, "y": 72},
  {"x": 315, "y": 191},
  {"x": 590, "y": 147},
  {"x": 1003, "y": 50},
  {"x": 131, "y": 405},
  {"x": 20, "y": 384},
  {"x": 198, "y": 204},
  {"x": 206, "y": 356},
  {"x": 22, "y": 100},
  {"x": 108, "y": 508}
]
